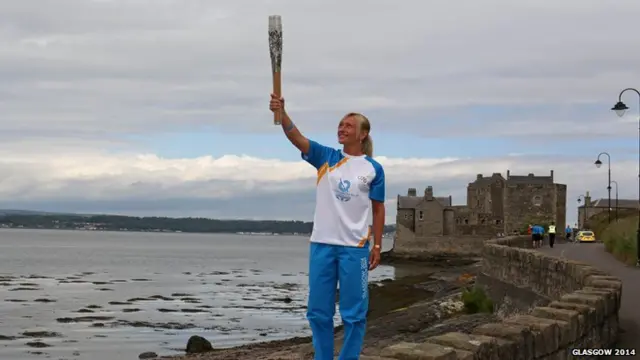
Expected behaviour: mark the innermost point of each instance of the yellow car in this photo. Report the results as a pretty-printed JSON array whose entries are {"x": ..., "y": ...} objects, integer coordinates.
[{"x": 586, "y": 236}]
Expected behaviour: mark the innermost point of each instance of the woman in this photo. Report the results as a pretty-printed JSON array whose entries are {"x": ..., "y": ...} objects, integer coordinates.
[{"x": 349, "y": 196}]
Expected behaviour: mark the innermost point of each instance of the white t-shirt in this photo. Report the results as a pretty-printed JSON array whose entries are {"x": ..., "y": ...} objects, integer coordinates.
[{"x": 345, "y": 187}]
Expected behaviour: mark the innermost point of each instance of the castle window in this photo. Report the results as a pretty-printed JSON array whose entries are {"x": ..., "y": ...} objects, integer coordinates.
[
  {"x": 421, "y": 214},
  {"x": 483, "y": 221},
  {"x": 406, "y": 216},
  {"x": 537, "y": 200},
  {"x": 466, "y": 221},
  {"x": 498, "y": 222}
]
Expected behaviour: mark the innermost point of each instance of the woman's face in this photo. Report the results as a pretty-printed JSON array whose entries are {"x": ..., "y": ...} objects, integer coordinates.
[{"x": 348, "y": 131}]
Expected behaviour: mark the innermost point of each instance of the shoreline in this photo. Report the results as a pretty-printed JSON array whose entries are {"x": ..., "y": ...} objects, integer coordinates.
[
  {"x": 398, "y": 308},
  {"x": 167, "y": 232},
  {"x": 155, "y": 232}
]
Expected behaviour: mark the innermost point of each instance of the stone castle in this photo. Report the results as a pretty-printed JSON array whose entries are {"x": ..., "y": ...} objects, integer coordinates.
[{"x": 495, "y": 205}]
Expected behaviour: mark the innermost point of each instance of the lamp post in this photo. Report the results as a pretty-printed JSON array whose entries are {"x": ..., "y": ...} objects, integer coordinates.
[
  {"x": 616, "y": 183},
  {"x": 620, "y": 108},
  {"x": 598, "y": 164},
  {"x": 584, "y": 213}
]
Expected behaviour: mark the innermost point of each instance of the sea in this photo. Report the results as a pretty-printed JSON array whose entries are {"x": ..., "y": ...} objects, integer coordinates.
[{"x": 114, "y": 295}]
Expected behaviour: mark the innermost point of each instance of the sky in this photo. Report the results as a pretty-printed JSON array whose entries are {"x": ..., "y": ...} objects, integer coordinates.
[{"x": 160, "y": 107}]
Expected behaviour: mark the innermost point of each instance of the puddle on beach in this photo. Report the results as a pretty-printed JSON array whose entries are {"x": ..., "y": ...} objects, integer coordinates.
[{"x": 96, "y": 316}]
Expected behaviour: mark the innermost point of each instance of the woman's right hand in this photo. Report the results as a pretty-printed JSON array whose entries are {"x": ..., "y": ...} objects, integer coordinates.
[{"x": 276, "y": 103}]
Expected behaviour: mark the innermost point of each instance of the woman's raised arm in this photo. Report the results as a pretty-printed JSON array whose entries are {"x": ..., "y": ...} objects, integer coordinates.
[{"x": 290, "y": 129}]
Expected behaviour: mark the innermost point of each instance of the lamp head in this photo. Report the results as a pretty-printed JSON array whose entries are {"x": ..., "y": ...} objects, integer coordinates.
[
  {"x": 620, "y": 108},
  {"x": 598, "y": 163}
]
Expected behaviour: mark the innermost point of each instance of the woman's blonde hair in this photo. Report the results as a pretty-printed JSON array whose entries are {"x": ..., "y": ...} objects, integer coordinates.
[{"x": 363, "y": 125}]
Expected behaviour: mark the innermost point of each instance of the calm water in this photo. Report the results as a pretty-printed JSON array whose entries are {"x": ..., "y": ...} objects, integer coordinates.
[{"x": 114, "y": 295}]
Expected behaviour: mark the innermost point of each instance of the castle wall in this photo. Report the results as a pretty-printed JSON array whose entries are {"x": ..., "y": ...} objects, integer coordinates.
[
  {"x": 409, "y": 246},
  {"x": 429, "y": 219},
  {"x": 449, "y": 222},
  {"x": 497, "y": 200},
  {"x": 528, "y": 203},
  {"x": 561, "y": 206},
  {"x": 405, "y": 217},
  {"x": 495, "y": 205}
]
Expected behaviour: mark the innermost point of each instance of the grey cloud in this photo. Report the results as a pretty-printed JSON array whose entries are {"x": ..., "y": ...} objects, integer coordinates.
[
  {"x": 298, "y": 205},
  {"x": 119, "y": 66},
  {"x": 82, "y": 76},
  {"x": 139, "y": 194}
]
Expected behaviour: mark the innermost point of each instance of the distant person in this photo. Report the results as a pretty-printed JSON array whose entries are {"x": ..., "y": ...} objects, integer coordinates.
[
  {"x": 540, "y": 232},
  {"x": 535, "y": 235},
  {"x": 568, "y": 232},
  {"x": 530, "y": 229},
  {"x": 350, "y": 196},
  {"x": 552, "y": 234}
]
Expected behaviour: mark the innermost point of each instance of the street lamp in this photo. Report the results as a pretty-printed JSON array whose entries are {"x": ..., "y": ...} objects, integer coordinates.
[
  {"x": 616, "y": 183},
  {"x": 584, "y": 213},
  {"x": 620, "y": 108},
  {"x": 598, "y": 164}
]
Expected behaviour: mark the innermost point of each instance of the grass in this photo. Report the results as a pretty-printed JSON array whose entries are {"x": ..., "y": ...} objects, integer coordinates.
[
  {"x": 599, "y": 222},
  {"x": 476, "y": 301},
  {"x": 619, "y": 237}
]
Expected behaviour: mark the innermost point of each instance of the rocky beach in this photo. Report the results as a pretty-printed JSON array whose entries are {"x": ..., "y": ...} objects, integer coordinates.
[
  {"x": 100, "y": 296},
  {"x": 404, "y": 309}
]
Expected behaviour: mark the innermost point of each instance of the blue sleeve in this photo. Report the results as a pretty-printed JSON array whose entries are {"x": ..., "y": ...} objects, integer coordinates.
[
  {"x": 318, "y": 154},
  {"x": 376, "y": 190}
]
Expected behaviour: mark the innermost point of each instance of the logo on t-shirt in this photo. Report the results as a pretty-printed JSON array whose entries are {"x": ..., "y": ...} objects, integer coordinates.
[
  {"x": 343, "y": 190},
  {"x": 364, "y": 183}
]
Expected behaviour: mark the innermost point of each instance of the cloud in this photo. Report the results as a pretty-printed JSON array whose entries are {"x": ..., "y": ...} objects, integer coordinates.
[
  {"x": 241, "y": 186},
  {"x": 83, "y": 81},
  {"x": 118, "y": 66}
]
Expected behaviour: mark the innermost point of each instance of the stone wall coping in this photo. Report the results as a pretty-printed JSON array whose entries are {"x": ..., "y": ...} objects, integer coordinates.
[{"x": 582, "y": 318}]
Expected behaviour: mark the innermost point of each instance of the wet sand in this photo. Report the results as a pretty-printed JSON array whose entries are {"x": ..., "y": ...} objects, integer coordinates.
[
  {"x": 80, "y": 314},
  {"x": 405, "y": 309},
  {"x": 103, "y": 296}
]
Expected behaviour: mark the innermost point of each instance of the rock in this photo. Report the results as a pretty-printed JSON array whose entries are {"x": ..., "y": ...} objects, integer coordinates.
[
  {"x": 41, "y": 334},
  {"x": 167, "y": 325},
  {"x": 148, "y": 355},
  {"x": 37, "y": 344},
  {"x": 288, "y": 300},
  {"x": 198, "y": 344}
]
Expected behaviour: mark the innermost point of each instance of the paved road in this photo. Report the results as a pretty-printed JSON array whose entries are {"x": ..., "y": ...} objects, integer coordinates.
[{"x": 629, "y": 313}]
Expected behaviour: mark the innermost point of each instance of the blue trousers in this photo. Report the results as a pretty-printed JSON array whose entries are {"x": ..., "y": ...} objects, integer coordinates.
[{"x": 330, "y": 265}]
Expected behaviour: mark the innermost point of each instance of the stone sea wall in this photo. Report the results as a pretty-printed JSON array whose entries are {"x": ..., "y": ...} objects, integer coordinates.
[
  {"x": 411, "y": 247},
  {"x": 571, "y": 305}
]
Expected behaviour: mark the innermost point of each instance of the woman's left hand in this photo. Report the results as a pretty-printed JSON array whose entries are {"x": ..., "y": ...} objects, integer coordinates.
[{"x": 374, "y": 258}]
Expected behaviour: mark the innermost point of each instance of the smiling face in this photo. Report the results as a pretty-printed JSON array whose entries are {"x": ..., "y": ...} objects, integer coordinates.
[{"x": 349, "y": 131}]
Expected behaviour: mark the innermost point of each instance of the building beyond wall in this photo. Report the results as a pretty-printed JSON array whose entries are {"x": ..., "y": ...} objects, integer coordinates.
[
  {"x": 495, "y": 205},
  {"x": 598, "y": 206}
]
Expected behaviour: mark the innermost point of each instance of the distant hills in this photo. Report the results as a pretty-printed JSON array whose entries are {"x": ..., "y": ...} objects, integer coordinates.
[
  {"x": 25, "y": 212},
  {"x": 47, "y": 220}
]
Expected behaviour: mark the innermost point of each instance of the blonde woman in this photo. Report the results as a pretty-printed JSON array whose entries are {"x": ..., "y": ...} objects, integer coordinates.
[{"x": 350, "y": 210}]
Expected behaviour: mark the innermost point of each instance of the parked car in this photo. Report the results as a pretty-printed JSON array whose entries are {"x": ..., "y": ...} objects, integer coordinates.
[{"x": 586, "y": 236}]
